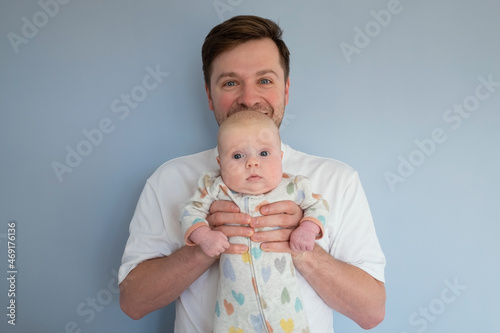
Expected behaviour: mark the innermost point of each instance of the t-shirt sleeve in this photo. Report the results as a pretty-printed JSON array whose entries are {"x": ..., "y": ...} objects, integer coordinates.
[
  {"x": 355, "y": 239},
  {"x": 147, "y": 233}
]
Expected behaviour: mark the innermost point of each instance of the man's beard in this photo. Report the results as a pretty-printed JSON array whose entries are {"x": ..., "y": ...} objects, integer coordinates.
[{"x": 266, "y": 109}]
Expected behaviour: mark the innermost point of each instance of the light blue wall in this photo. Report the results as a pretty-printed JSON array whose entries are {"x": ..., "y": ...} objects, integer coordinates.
[{"x": 364, "y": 98}]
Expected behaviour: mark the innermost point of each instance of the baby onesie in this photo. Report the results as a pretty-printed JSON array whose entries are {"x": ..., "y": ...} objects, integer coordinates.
[{"x": 257, "y": 291}]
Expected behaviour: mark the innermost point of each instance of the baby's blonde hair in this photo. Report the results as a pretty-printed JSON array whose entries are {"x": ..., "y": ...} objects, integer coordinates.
[{"x": 247, "y": 118}]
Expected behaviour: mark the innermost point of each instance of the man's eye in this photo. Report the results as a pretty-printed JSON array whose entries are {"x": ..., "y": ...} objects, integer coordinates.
[
  {"x": 237, "y": 156},
  {"x": 230, "y": 84},
  {"x": 265, "y": 153},
  {"x": 265, "y": 81}
]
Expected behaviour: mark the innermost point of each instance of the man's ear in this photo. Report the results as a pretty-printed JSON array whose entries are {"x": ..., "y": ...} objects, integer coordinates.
[
  {"x": 218, "y": 160},
  {"x": 287, "y": 89},
  {"x": 282, "y": 155},
  {"x": 210, "y": 102}
]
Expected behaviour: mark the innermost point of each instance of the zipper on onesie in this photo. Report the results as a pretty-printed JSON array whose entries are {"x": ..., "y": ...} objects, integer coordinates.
[{"x": 251, "y": 245}]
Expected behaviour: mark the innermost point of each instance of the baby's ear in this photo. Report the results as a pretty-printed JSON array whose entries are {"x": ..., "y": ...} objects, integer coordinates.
[
  {"x": 218, "y": 159},
  {"x": 281, "y": 155}
]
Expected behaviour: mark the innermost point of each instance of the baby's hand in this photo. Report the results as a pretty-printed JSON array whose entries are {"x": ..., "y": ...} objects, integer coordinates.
[
  {"x": 302, "y": 238},
  {"x": 211, "y": 242}
]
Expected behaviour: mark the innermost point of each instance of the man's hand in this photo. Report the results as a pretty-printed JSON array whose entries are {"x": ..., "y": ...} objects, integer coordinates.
[
  {"x": 283, "y": 214},
  {"x": 225, "y": 216}
]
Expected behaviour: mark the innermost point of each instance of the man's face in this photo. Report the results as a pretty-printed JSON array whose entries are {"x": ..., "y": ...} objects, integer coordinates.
[{"x": 248, "y": 77}]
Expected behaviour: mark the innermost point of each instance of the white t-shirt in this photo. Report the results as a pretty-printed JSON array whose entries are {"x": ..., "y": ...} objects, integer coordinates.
[{"x": 155, "y": 230}]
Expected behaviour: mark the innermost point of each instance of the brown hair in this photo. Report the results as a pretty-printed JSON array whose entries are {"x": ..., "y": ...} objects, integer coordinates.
[{"x": 238, "y": 30}]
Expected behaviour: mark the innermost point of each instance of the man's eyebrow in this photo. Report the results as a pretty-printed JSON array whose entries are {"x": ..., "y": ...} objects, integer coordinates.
[
  {"x": 266, "y": 71},
  {"x": 224, "y": 75},
  {"x": 233, "y": 74}
]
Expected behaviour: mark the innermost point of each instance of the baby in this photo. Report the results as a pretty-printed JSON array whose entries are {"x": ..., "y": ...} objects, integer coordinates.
[{"x": 257, "y": 290}]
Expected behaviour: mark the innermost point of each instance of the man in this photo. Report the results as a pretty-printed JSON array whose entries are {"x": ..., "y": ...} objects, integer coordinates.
[{"x": 246, "y": 66}]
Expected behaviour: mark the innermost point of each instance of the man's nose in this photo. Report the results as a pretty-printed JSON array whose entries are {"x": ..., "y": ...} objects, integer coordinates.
[{"x": 249, "y": 96}]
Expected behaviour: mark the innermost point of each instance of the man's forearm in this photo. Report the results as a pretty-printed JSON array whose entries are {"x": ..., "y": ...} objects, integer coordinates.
[
  {"x": 345, "y": 288},
  {"x": 158, "y": 282}
]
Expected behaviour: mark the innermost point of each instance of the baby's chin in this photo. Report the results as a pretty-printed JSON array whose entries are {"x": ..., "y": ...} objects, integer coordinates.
[
  {"x": 252, "y": 187},
  {"x": 255, "y": 189}
]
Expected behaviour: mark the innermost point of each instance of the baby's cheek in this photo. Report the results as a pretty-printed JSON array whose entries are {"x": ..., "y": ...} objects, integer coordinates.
[
  {"x": 277, "y": 170},
  {"x": 229, "y": 170},
  {"x": 230, "y": 175}
]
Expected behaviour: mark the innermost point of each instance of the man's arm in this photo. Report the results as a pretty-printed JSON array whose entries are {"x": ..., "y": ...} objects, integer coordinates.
[
  {"x": 345, "y": 288},
  {"x": 155, "y": 283}
]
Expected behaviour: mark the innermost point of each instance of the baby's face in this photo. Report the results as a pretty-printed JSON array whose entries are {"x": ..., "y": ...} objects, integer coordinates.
[{"x": 250, "y": 159}]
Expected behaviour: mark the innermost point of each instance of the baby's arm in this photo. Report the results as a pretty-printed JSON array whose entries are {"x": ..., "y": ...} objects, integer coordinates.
[
  {"x": 211, "y": 242},
  {"x": 302, "y": 238}
]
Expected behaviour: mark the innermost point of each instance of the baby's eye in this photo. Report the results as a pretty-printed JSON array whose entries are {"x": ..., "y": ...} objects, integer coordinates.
[
  {"x": 265, "y": 153},
  {"x": 237, "y": 156}
]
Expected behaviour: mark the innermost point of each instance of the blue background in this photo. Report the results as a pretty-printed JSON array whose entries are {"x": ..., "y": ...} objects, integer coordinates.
[{"x": 364, "y": 89}]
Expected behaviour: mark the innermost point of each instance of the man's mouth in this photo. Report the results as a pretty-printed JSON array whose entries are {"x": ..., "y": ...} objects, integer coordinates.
[{"x": 265, "y": 109}]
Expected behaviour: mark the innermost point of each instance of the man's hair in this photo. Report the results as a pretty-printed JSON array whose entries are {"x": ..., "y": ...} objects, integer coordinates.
[{"x": 238, "y": 30}]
